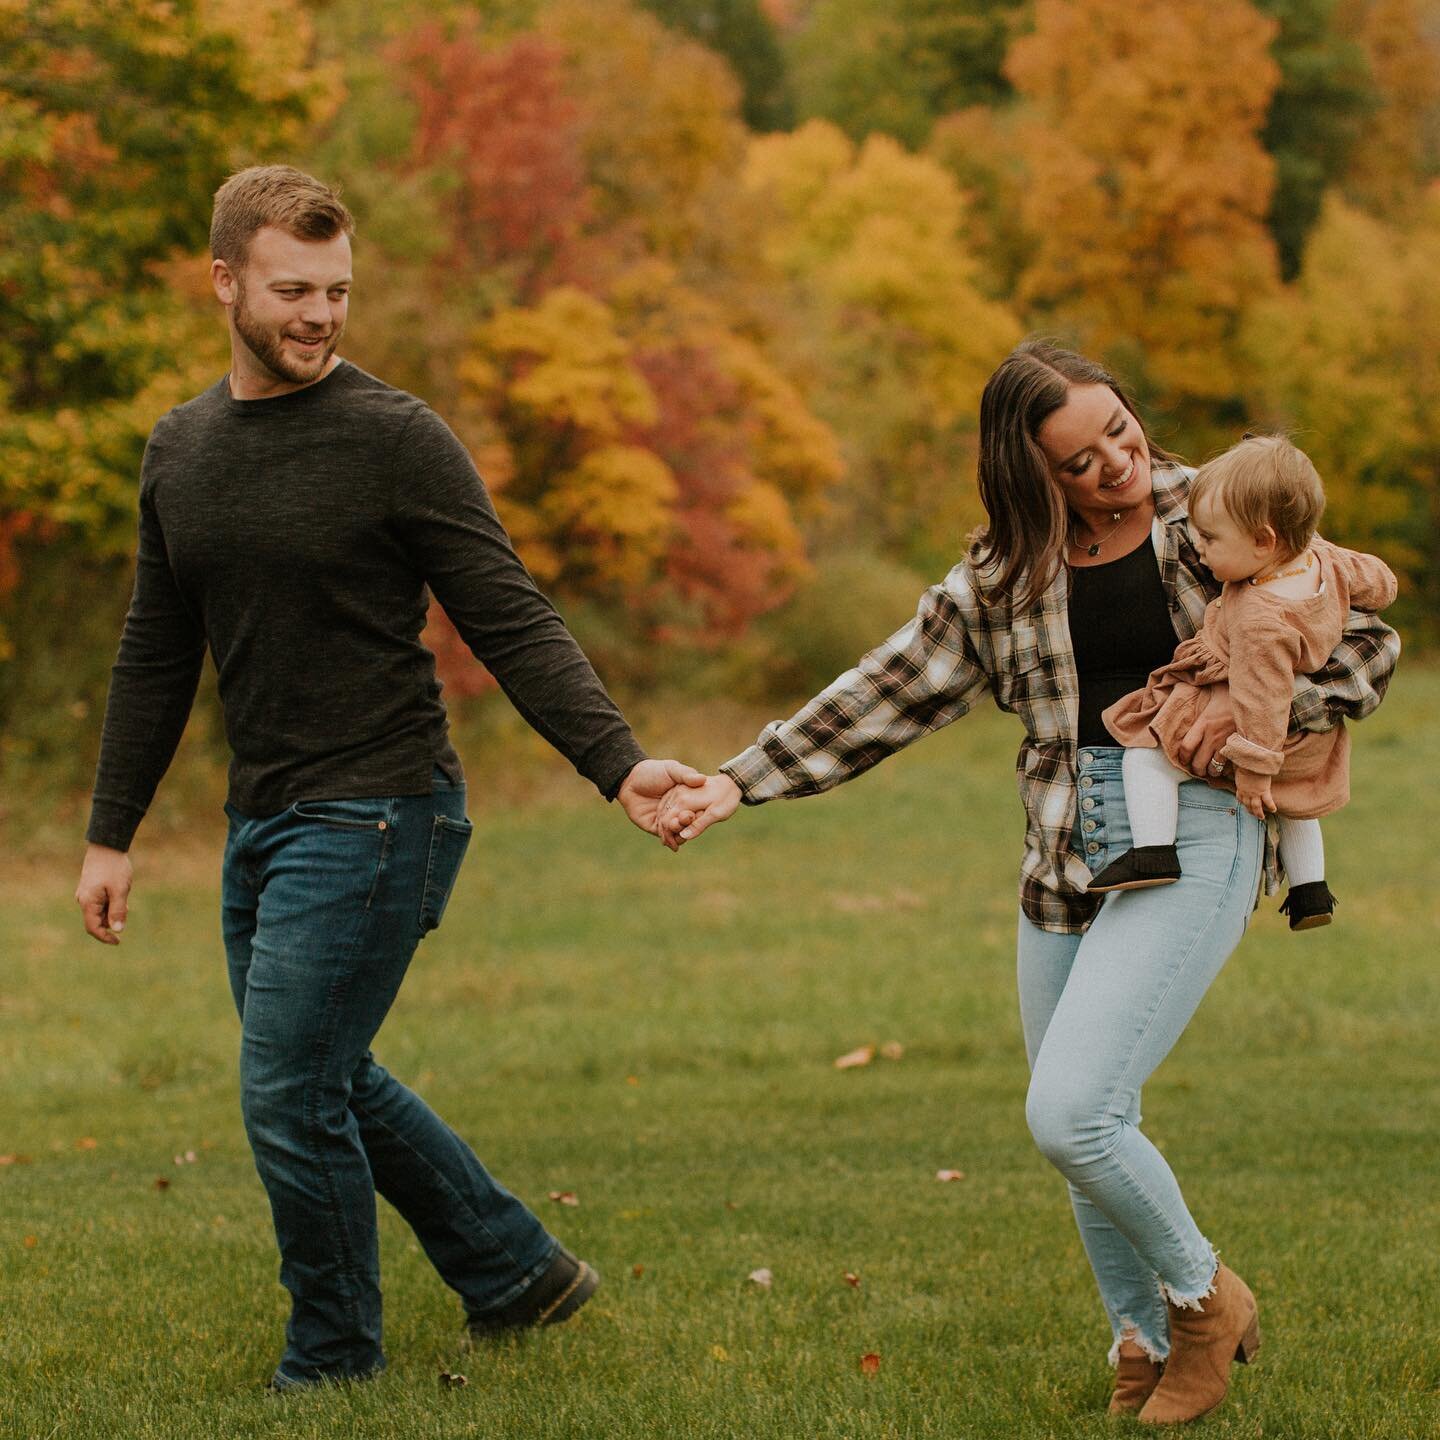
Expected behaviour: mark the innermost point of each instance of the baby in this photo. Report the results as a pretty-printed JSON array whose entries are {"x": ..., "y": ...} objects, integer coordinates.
[{"x": 1253, "y": 513}]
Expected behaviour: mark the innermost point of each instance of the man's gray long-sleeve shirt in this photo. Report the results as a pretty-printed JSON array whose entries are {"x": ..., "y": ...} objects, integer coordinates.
[{"x": 296, "y": 536}]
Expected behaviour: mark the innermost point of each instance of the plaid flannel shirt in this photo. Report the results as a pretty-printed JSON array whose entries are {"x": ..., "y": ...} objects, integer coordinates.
[{"x": 966, "y": 641}]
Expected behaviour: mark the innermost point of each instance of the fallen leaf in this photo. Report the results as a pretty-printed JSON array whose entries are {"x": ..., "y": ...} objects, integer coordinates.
[
  {"x": 637, "y": 1271},
  {"x": 891, "y": 1050},
  {"x": 161, "y": 1183},
  {"x": 632, "y": 1079},
  {"x": 31, "y": 1242},
  {"x": 86, "y": 1142},
  {"x": 949, "y": 1174},
  {"x": 870, "y": 1363},
  {"x": 732, "y": 1204},
  {"x": 762, "y": 1277},
  {"x": 719, "y": 1352},
  {"x": 852, "y": 1279},
  {"x": 452, "y": 1382},
  {"x": 564, "y": 1197},
  {"x": 853, "y": 1059},
  {"x": 15, "y": 1160}
]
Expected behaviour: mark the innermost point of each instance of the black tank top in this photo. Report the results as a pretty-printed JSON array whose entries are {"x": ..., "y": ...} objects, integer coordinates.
[{"x": 1120, "y": 630}]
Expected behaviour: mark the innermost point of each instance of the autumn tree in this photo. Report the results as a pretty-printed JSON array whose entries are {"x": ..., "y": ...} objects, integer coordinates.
[
  {"x": 117, "y": 122},
  {"x": 1398, "y": 150},
  {"x": 650, "y": 453},
  {"x": 1148, "y": 188},
  {"x": 660, "y": 127},
  {"x": 1316, "y": 115},
  {"x": 869, "y": 242},
  {"x": 741, "y": 32},
  {"x": 980, "y": 148},
  {"x": 578, "y": 180},
  {"x": 896, "y": 66},
  {"x": 500, "y": 121},
  {"x": 1349, "y": 360}
]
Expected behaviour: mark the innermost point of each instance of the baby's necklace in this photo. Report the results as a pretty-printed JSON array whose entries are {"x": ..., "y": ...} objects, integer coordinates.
[
  {"x": 1284, "y": 574},
  {"x": 1093, "y": 549}
]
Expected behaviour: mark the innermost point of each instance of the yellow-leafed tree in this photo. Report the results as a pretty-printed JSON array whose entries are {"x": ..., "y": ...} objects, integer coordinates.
[
  {"x": 1349, "y": 360},
  {"x": 1399, "y": 145},
  {"x": 1148, "y": 187},
  {"x": 868, "y": 242}
]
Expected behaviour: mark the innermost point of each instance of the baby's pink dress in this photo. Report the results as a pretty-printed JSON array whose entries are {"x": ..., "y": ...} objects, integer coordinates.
[{"x": 1257, "y": 642}]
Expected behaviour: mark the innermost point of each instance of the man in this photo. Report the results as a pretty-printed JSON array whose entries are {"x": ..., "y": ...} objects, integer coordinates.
[{"x": 291, "y": 518}]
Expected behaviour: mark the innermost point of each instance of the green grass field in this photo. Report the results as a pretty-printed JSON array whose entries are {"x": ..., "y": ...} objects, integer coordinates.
[{"x": 656, "y": 1034}]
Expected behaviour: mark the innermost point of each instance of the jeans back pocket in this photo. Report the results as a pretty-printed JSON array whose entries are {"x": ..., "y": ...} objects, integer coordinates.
[{"x": 449, "y": 840}]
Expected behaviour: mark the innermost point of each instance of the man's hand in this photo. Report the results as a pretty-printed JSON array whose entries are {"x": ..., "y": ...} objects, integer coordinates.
[
  {"x": 1203, "y": 741},
  {"x": 1253, "y": 792},
  {"x": 103, "y": 893},
  {"x": 688, "y": 813},
  {"x": 646, "y": 786}
]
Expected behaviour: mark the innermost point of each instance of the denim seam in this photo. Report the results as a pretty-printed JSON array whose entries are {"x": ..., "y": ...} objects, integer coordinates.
[
  {"x": 527, "y": 1276},
  {"x": 324, "y": 1048},
  {"x": 1108, "y": 1152}
]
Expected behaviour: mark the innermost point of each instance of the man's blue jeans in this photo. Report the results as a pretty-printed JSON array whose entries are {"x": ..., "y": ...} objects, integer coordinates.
[
  {"x": 323, "y": 906},
  {"x": 1102, "y": 1010}
]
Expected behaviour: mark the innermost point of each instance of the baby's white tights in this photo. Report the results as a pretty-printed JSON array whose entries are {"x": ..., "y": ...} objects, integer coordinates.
[{"x": 1152, "y": 800}]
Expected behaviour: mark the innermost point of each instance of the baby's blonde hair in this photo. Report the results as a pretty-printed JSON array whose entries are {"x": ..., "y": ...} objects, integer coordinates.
[{"x": 1265, "y": 480}]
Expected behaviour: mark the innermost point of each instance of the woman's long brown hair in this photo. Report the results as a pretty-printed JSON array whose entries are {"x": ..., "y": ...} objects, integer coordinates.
[{"x": 1029, "y": 523}]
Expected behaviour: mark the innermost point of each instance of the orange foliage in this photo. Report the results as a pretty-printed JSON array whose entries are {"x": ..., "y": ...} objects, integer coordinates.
[
  {"x": 1390, "y": 157},
  {"x": 1148, "y": 185}
]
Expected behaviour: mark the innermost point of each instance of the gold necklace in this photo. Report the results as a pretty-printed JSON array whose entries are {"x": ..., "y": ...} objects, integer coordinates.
[
  {"x": 1283, "y": 574},
  {"x": 1093, "y": 549}
]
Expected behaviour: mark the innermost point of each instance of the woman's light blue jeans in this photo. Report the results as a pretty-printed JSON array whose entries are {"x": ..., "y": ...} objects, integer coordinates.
[
  {"x": 1102, "y": 1010},
  {"x": 323, "y": 906}
]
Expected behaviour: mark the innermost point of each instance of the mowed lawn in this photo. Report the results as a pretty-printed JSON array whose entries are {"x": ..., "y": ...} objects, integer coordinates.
[{"x": 656, "y": 1035}]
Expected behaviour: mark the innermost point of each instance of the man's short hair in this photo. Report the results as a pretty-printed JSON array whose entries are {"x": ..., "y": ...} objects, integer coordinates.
[{"x": 277, "y": 195}]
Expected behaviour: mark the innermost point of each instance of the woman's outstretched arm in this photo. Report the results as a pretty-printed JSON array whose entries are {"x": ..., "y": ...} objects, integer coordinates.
[{"x": 925, "y": 675}]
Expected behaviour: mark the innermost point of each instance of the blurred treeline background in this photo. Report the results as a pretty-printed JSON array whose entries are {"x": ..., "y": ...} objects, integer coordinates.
[{"x": 710, "y": 287}]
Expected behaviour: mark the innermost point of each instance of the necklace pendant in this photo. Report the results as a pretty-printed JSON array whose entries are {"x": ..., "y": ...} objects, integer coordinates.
[{"x": 1093, "y": 550}]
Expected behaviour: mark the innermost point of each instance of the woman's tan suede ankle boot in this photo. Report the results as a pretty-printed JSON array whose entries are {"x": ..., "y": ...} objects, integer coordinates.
[
  {"x": 1136, "y": 1375},
  {"x": 1203, "y": 1343}
]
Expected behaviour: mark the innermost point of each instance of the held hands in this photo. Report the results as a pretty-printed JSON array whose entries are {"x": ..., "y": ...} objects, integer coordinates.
[
  {"x": 1253, "y": 792},
  {"x": 686, "y": 813},
  {"x": 651, "y": 785},
  {"x": 103, "y": 893}
]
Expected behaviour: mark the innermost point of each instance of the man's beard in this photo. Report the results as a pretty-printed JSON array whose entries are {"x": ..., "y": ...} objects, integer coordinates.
[{"x": 268, "y": 347}]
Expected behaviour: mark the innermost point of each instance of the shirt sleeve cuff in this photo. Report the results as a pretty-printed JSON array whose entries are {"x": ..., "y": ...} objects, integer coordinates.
[
  {"x": 611, "y": 772},
  {"x": 758, "y": 776},
  {"x": 112, "y": 825},
  {"x": 1247, "y": 755}
]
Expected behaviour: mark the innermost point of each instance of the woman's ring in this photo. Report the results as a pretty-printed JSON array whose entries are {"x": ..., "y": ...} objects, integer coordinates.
[{"x": 1217, "y": 766}]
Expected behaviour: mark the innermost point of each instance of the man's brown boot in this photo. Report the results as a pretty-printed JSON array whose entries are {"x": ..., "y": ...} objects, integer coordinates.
[
  {"x": 1203, "y": 1343},
  {"x": 1136, "y": 1375}
]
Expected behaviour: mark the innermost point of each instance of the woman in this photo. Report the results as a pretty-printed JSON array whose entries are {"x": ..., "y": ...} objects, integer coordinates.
[{"x": 1076, "y": 589}]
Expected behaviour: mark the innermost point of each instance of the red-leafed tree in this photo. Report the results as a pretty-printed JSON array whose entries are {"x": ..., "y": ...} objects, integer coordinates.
[{"x": 500, "y": 120}]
